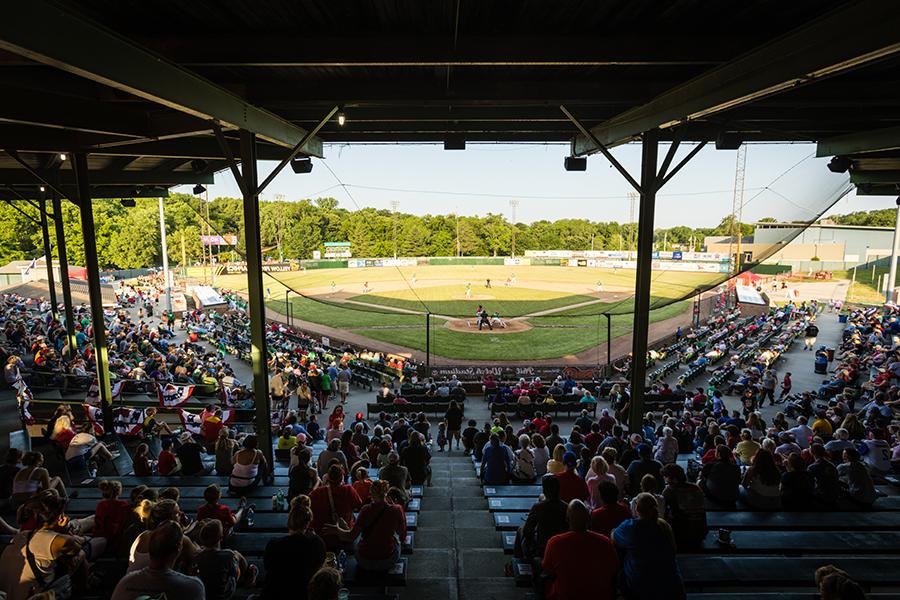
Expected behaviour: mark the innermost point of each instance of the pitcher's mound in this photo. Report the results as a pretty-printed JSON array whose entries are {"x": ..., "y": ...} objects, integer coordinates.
[
  {"x": 471, "y": 326},
  {"x": 472, "y": 297}
]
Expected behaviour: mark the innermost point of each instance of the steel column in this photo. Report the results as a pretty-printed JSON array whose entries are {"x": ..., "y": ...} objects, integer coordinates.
[
  {"x": 608, "y": 343},
  {"x": 101, "y": 352},
  {"x": 895, "y": 249},
  {"x": 287, "y": 307},
  {"x": 649, "y": 149},
  {"x": 428, "y": 344},
  {"x": 48, "y": 257},
  {"x": 256, "y": 301},
  {"x": 64, "y": 273}
]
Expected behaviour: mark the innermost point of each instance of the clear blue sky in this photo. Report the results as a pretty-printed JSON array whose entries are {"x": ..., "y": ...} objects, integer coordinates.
[{"x": 484, "y": 177}]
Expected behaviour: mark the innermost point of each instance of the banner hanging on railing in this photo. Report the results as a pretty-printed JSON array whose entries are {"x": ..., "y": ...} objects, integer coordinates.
[{"x": 172, "y": 395}]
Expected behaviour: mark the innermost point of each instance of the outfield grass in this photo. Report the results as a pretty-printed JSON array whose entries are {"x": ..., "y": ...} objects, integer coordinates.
[
  {"x": 864, "y": 290},
  {"x": 552, "y": 337},
  {"x": 450, "y": 300},
  {"x": 442, "y": 290}
]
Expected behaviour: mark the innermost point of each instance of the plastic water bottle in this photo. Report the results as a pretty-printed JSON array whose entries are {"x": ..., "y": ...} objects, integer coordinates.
[
  {"x": 250, "y": 513},
  {"x": 341, "y": 561}
]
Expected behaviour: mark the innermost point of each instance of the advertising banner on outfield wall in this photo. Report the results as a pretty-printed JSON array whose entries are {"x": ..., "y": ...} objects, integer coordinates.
[
  {"x": 516, "y": 262},
  {"x": 547, "y": 374},
  {"x": 359, "y": 263}
]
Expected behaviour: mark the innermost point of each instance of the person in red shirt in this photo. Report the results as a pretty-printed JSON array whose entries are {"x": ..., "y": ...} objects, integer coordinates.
[
  {"x": 611, "y": 511},
  {"x": 211, "y": 426},
  {"x": 167, "y": 464},
  {"x": 594, "y": 438},
  {"x": 579, "y": 563},
  {"x": 332, "y": 503},
  {"x": 110, "y": 512},
  {"x": 381, "y": 526},
  {"x": 213, "y": 509},
  {"x": 539, "y": 422},
  {"x": 571, "y": 485}
]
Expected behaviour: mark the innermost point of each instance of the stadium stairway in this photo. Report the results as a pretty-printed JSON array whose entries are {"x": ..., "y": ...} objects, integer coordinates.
[{"x": 457, "y": 551}]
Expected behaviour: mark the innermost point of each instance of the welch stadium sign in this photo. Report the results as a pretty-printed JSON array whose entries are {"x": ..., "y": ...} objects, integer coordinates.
[{"x": 476, "y": 373}]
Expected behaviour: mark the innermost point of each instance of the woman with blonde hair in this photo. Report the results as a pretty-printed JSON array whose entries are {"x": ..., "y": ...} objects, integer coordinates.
[
  {"x": 225, "y": 448},
  {"x": 155, "y": 514},
  {"x": 555, "y": 465},
  {"x": 598, "y": 473}
]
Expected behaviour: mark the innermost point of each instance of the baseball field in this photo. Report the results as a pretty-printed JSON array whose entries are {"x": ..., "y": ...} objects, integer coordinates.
[{"x": 542, "y": 312}]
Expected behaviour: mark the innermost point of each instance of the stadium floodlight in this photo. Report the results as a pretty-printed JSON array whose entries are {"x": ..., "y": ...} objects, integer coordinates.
[
  {"x": 302, "y": 165},
  {"x": 839, "y": 164},
  {"x": 42, "y": 189},
  {"x": 128, "y": 202},
  {"x": 199, "y": 189},
  {"x": 62, "y": 156},
  {"x": 454, "y": 141},
  {"x": 341, "y": 117},
  {"x": 575, "y": 163}
]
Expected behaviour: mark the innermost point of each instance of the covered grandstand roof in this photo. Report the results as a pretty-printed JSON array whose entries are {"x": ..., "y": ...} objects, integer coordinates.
[{"x": 138, "y": 85}]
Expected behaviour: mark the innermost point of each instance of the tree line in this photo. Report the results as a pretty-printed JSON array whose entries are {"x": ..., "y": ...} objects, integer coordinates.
[{"x": 130, "y": 238}]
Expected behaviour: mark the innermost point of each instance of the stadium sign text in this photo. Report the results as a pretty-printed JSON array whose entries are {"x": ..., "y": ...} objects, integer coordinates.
[{"x": 474, "y": 373}]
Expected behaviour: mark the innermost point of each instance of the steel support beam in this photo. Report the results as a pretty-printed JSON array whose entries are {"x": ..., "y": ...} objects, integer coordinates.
[
  {"x": 864, "y": 141},
  {"x": 847, "y": 38},
  {"x": 97, "y": 191},
  {"x": 101, "y": 352},
  {"x": 67, "y": 178},
  {"x": 64, "y": 273},
  {"x": 875, "y": 177},
  {"x": 103, "y": 56},
  {"x": 256, "y": 298},
  {"x": 48, "y": 258},
  {"x": 649, "y": 150}
]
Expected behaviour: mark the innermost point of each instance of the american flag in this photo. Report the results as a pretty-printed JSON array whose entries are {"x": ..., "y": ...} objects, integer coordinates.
[
  {"x": 93, "y": 393},
  {"x": 173, "y": 395},
  {"x": 24, "y": 398}
]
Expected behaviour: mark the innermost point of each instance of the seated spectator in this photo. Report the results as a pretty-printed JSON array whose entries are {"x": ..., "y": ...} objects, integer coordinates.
[
  {"x": 381, "y": 526},
  {"x": 856, "y": 480},
  {"x": 85, "y": 449},
  {"x": 143, "y": 466},
  {"x": 796, "y": 485},
  {"x": 571, "y": 555},
  {"x": 546, "y": 518},
  {"x": 287, "y": 439},
  {"x": 610, "y": 512},
  {"x": 190, "y": 453},
  {"x": 721, "y": 478},
  {"x": 666, "y": 451},
  {"x": 395, "y": 473},
  {"x": 645, "y": 465},
  {"x": 496, "y": 462},
  {"x": 647, "y": 547},
  {"x": 615, "y": 469},
  {"x": 109, "y": 516},
  {"x": 164, "y": 547},
  {"x": 33, "y": 478},
  {"x": 685, "y": 509},
  {"x": 325, "y": 584},
  {"x": 291, "y": 561},
  {"x": 841, "y": 442},
  {"x": 835, "y": 584},
  {"x": 249, "y": 467},
  {"x": 168, "y": 463},
  {"x": 598, "y": 473},
  {"x": 747, "y": 448},
  {"x": 55, "y": 554},
  {"x": 213, "y": 509},
  {"x": 225, "y": 449},
  {"x": 555, "y": 464},
  {"x": 761, "y": 484},
  {"x": 826, "y": 483},
  {"x": 326, "y": 456},
  {"x": 362, "y": 484},
  {"x": 468, "y": 436},
  {"x": 221, "y": 571},
  {"x": 571, "y": 485},
  {"x": 541, "y": 454},
  {"x": 524, "y": 468},
  {"x": 333, "y": 503},
  {"x": 159, "y": 513}
]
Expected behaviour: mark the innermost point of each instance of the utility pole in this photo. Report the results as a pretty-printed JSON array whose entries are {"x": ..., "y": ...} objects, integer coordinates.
[
  {"x": 165, "y": 255},
  {"x": 633, "y": 197},
  {"x": 737, "y": 206},
  {"x": 183, "y": 258},
  {"x": 892, "y": 271},
  {"x": 665, "y": 239},
  {"x": 394, "y": 205},
  {"x": 458, "y": 247},
  {"x": 212, "y": 266},
  {"x": 513, "y": 205}
]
